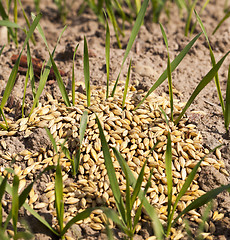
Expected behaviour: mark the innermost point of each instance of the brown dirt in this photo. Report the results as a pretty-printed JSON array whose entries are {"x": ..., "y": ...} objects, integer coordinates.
[{"x": 149, "y": 58}]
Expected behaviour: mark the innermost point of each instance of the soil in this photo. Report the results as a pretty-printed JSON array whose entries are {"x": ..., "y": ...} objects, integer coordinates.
[{"x": 149, "y": 60}]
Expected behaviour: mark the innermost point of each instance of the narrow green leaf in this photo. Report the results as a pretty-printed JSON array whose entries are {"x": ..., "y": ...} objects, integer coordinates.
[
  {"x": 60, "y": 82},
  {"x": 27, "y": 207},
  {"x": 207, "y": 78},
  {"x": 82, "y": 128},
  {"x": 51, "y": 139},
  {"x": 25, "y": 193},
  {"x": 120, "y": 10},
  {"x": 113, "y": 20},
  {"x": 16, "y": 20},
  {"x": 207, "y": 197},
  {"x": 3, "y": 127},
  {"x": 45, "y": 74},
  {"x": 80, "y": 216},
  {"x": 13, "y": 74},
  {"x": 109, "y": 232},
  {"x": 9, "y": 170},
  {"x": 2, "y": 191},
  {"x": 39, "y": 28},
  {"x": 135, "y": 30},
  {"x": 110, "y": 213},
  {"x": 181, "y": 4},
  {"x": 31, "y": 71},
  {"x": 24, "y": 93},
  {"x": 137, "y": 187},
  {"x": 3, "y": 186},
  {"x": 174, "y": 64},
  {"x": 27, "y": 20},
  {"x": 170, "y": 86},
  {"x": 66, "y": 151},
  {"x": 5, "y": 17},
  {"x": 2, "y": 50},
  {"x": 31, "y": 30},
  {"x": 2, "y": 12},
  {"x": 227, "y": 15},
  {"x": 188, "y": 229},
  {"x": 168, "y": 167},
  {"x": 139, "y": 210},
  {"x": 111, "y": 172},
  {"x": 21, "y": 200},
  {"x": 205, "y": 217},
  {"x": 15, "y": 202},
  {"x": 184, "y": 188},
  {"x": 10, "y": 84},
  {"x": 83, "y": 125},
  {"x": 86, "y": 213},
  {"x": 10, "y": 24},
  {"x": 73, "y": 76},
  {"x": 165, "y": 116},
  {"x": 4, "y": 118},
  {"x": 86, "y": 71},
  {"x": 169, "y": 72},
  {"x": 202, "y": 9},
  {"x": 23, "y": 196},
  {"x": 23, "y": 235},
  {"x": 227, "y": 104},
  {"x": 217, "y": 82},
  {"x": 37, "y": 2},
  {"x": 59, "y": 197},
  {"x": 128, "y": 204},
  {"x": 100, "y": 6},
  {"x": 164, "y": 36},
  {"x": 41, "y": 219},
  {"x": 158, "y": 228},
  {"x": 107, "y": 56},
  {"x": 126, "y": 84},
  {"x": 3, "y": 235},
  {"x": 157, "y": 9},
  {"x": 76, "y": 162},
  {"x": 188, "y": 21},
  {"x": 138, "y": 5}
]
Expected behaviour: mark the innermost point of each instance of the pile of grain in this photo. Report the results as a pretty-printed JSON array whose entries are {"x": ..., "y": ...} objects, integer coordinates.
[{"x": 133, "y": 133}]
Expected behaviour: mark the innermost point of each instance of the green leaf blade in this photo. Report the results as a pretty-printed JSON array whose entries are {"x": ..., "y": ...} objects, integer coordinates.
[
  {"x": 168, "y": 166},
  {"x": 51, "y": 139},
  {"x": 107, "y": 56},
  {"x": 217, "y": 82},
  {"x": 158, "y": 228},
  {"x": 86, "y": 72},
  {"x": 227, "y": 104},
  {"x": 9, "y": 24},
  {"x": 59, "y": 202},
  {"x": 174, "y": 64},
  {"x": 111, "y": 172},
  {"x": 207, "y": 197},
  {"x": 45, "y": 74},
  {"x": 82, "y": 128},
  {"x": 133, "y": 35},
  {"x": 126, "y": 84},
  {"x": 83, "y": 125},
  {"x": 207, "y": 78},
  {"x": 60, "y": 82},
  {"x": 73, "y": 76},
  {"x": 13, "y": 74},
  {"x": 137, "y": 187},
  {"x": 15, "y": 202}
]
